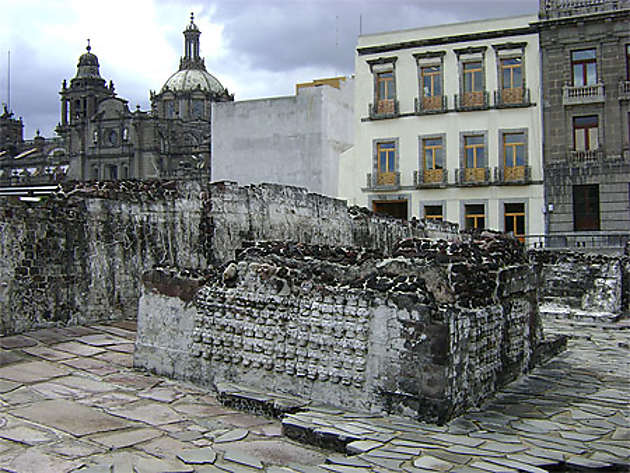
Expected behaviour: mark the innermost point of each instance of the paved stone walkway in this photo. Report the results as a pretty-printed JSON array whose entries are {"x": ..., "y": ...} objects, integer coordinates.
[{"x": 70, "y": 401}]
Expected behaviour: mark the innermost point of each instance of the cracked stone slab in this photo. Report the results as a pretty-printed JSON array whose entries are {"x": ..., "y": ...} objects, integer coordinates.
[
  {"x": 31, "y": 372},
  {"x": 7, "y": 386},
  {"x": 78, "y": 349},
  {"x": 70, "y": 417},
  {"x": 35, "y": 460},
  {"x": 152, "y": 414},
  {"x": 198, "y": 456},
  {"x": 101, "y": 340},
  {"x": 47, "y": 353},
  {"x": 232, "y": 436},
  {"x": 458, "y": 439},
  {"x": 492, "y": 467},
  {"x": 49, "y": 335},
  {"x": 16, "y": 341},
  {"x": 27, "y": 434},
  {"x": 362, "y": 446},
  {"x": 127, "y": 438},
  {"x": 236, "y": 456},
  {"x": 429, "y": 462},
  {"x": 8, "y": 357}
]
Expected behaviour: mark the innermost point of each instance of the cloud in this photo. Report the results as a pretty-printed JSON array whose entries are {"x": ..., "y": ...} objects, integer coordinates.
[{"x": 257, "y": 48}]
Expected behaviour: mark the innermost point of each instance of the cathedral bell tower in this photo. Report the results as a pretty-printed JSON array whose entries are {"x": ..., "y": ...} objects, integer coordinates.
[{"x": 191, "y": 59}]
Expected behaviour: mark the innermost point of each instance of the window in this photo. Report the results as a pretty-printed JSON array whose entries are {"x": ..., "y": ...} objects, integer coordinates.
[
  {"x": 112, "y": 170},
  {"x": 512, "y": 80},
  {"x": 393, "y": 208},
  {"x": 585, "y": 133},
  {"x": 431, "y": 79},
  {"x": 475, "y": 215},
  {"x": 514, "y": 220},
  {"x": 513, "y": 149},
  {"x": 432, "y": 153},
  {"x": 473, "y": 77},
  {"x": 586, "y": 207},
  {"x": 385, "y": 86},
  {"x": 433, "y": 212},
  {"x": 432, "y": 160},
  {"x": 169, "y": 106},
  {"x": 474, "y": 150},
  {"x": 386, "y": 162},
  {"x": 584, "y": 67},
  {"x": 627, "y": 61},
  {"x": 197, "y": 108},
  {"x": 514, "y": 156},
  {"x": 511, "y": 73}
]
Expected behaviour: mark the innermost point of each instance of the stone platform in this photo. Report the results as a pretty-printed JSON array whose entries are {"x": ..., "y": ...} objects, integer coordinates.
[{"x": 70, "y": 402}]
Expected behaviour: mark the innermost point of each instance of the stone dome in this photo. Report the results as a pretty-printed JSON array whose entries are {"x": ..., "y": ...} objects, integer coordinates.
[
  {"x": 88, "y": 64},
  {"x": 187, "y": 80}
]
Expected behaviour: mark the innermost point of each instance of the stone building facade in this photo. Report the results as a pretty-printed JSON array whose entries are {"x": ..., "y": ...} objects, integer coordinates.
[
  {"x": 106, "y": 140},
  {"x": 36, "y": 161},
  {"x": 585, "y": 47},
  {"x": 447, "y": 125}
]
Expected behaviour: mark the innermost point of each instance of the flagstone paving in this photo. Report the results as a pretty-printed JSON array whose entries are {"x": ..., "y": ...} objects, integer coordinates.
[{"x": 70, "y": 401}]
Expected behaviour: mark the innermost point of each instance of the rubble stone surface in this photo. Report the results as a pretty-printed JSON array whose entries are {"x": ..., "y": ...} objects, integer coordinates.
[{"x": 427, "y": 332}]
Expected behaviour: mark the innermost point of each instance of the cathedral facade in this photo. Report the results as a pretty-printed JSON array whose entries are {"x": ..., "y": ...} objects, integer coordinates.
[{"x": 106, "y": 140}]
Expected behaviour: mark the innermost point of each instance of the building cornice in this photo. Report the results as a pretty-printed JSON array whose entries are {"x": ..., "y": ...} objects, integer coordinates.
[
  {"x": 419, "y": 43},
  {"x": 589, "y": 17}
]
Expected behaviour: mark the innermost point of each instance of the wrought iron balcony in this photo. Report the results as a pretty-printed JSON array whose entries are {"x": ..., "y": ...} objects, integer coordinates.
[
  {"x": 624, "y": 90},
  {"x": 427, "y": 105},
  {"x": 513, "y": 175},
  {"x": 582, "y": 94},
  {"x": 472, "y": 101},
  {"x": 430, "y": 178},
  {"x": 383, "y": 180},
  {"x": 384, "y": 109},
  {"x": 472, "y": 176},
  {"x": 515, "y": 97}
]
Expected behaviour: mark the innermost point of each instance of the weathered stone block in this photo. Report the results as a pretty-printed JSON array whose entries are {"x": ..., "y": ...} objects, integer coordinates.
[{"x": 351, "y": 327}]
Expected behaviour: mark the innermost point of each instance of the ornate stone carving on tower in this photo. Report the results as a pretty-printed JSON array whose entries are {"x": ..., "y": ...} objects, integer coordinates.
[{"x": 106, "y": 140}]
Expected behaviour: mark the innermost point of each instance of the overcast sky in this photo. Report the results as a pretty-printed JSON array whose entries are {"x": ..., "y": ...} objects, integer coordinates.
[{"x": 256, "y": 48}]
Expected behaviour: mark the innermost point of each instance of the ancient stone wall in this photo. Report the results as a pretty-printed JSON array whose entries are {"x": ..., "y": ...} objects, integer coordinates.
[
  {"x": 79, "y": 255},
  {"x": 426, "y": 332},
  {"x": 578, "y": 284}
]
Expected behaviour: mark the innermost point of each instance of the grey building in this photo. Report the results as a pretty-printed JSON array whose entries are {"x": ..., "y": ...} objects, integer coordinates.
[
  {"x": 585, "y": 48},
  {"x": 36, "y": 161},
  {"x": 106, "y": 140}
]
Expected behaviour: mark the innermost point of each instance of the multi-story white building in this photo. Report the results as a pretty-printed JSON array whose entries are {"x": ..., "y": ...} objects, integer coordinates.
[{"x": 448, "y": 125}]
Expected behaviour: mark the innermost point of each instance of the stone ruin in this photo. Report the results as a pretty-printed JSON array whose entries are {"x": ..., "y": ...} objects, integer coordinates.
[
  {"x": 278, "y": 289},
  {"x": 427, "y": 331}
]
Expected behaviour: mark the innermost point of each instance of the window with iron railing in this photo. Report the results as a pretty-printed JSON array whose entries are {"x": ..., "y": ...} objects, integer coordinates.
[
  {"x": 433, "y": 160},
  {"x": 431, "y": 79},
  {"x": 474, "y": 158},
  {"x": 473, "y": 85},
  {"x": 386, "y": 163},
  {"x": 514, "y": 160},
  {"x": 512, "y": 80},
  {"x": 385, "y": 93}
]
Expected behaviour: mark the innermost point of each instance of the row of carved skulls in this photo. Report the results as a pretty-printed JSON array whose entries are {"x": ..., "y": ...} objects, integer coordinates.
[
  {"x": 314, "y": 344},
  {"x": 300, "y": 367}
]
